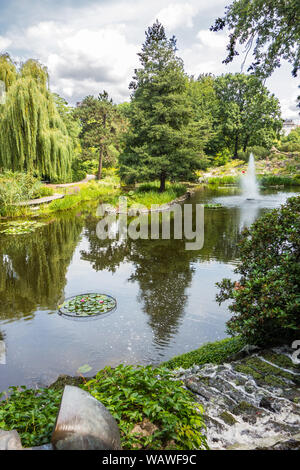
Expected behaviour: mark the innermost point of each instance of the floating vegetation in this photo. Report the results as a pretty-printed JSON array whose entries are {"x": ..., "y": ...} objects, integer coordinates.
[
  {"x": 19, "y": 228},
  {"x": 86, "y": 305},
  {"x": 216, "y": 205}
]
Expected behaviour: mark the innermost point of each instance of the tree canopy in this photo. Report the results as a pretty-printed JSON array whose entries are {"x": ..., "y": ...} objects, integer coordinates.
[
  {"x": 248, "y": 114},
  {"x": 164, "y": 140},
  {"x": 270, "y": 28},
  {"x": 33, "y": 136},
  {"x": 101, "y": 123}
]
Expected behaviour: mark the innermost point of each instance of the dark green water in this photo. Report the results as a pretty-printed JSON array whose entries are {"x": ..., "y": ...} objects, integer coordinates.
[{"x": 165, "y": 294}]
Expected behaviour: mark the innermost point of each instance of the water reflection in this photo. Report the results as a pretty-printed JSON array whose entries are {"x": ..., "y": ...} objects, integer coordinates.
[
  {"x": 165, "y": 294},
  {"x": 33, "y": 268}
]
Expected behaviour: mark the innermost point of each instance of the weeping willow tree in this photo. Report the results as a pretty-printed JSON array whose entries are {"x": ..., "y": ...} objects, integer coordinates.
[{"x": 33, "y": 136}]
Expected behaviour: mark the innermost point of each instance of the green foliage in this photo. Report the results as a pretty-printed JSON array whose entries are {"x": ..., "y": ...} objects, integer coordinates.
[
  {"x": 43, "y": 191},
  {"x": 266, "y": 301},
  {"x": 273, "y": 25},
  {"x": 101, "y": 126},
  {"x": 277, "y": 180},
  {"x": 164, "y": 140},
  {"x": 87, "y": 304},
  {"x": 223, "y": 180},
  {"x": 16, "y": 187},
  {"x": 31, "y": 412},
  {"x": 133, "y": 394},
  {"x": 148, "y": 194},
  {"x": 215, "y": 353},
  {"x": 33, "y": 136},
  {"x": 248, "y": 114},
  {"x": 19, "y": 228}
]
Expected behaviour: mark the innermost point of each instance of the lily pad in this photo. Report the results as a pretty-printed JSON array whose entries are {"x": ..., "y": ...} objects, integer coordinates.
[
  {"x": 86, "y": 305},
  {"x": 21, "y": 227},
  {"x": 84, "y": 369}
]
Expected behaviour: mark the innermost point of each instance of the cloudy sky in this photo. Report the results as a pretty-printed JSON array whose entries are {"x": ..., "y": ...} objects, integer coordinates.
[{"x": 92, "y": 45}]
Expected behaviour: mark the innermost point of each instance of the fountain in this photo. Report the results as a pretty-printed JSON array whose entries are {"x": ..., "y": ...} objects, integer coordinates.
[{"x": 248, "y": 181}]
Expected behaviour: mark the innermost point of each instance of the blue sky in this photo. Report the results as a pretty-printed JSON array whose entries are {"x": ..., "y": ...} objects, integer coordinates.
[{"x": 92, "y": 45}]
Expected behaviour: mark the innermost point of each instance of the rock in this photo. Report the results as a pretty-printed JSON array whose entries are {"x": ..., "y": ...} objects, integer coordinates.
[
  {"x": 83, "y": 423},
  {"x": 244, "y": 352},
  {"x": 10, "y": 440}
]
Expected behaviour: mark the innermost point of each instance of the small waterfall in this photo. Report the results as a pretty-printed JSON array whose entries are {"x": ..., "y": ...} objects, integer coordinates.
[{"x": 248, "y": 181}]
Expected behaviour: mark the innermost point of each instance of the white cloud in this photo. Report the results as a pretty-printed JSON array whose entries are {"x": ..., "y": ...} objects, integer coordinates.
[
  {"x": 93, "y": 47},
  {"x": 177, "y": 15},
  {"x": 4, "y": 43},
  {"x": 212, "y": 40}
]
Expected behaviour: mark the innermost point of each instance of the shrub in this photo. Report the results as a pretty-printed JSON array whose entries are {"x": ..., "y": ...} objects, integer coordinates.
[
  {"x": 266, "y": 300},
  {"x": 135, "y": 394},
  {"x": 31, "y": 412},
  {"x": 16, "y": 187}
]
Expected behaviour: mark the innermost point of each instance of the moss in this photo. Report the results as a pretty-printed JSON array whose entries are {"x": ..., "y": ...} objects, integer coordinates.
[
  {"x": 244, "y": 369},
  {"x": 267, "y": 369},
  {"x": 274, "y": 381},
  {"x": 215, "y": 353},
  {"x": 280, "y": 360},
  {"x": 227, "y": 418},
  {"x": 64, "y": 380},
  {"x": 244, "y": 408}
]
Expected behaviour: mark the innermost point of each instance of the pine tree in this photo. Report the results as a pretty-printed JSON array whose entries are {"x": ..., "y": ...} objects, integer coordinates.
[
  {"x": 164, "y": 141},
  {"x": 100, "y": 125},
  {"x": 33, "y": 136}
]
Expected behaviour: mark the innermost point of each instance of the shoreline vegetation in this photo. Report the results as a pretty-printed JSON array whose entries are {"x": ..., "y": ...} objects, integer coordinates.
[
  {"x": 42, "y": 404},
  {"x": 108, "y": 190}
]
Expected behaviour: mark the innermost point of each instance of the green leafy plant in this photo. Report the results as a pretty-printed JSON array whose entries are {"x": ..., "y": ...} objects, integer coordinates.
[
  {"x": 31, "y": 412},
  {"x": 135, "y": 394},
  {"x": 266, "y": 300}
]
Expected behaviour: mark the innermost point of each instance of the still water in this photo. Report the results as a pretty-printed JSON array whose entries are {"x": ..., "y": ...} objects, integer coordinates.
[{"x": 165, "y": 294}]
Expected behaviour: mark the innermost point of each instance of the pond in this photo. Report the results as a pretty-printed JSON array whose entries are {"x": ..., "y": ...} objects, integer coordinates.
[{"x": 165, "y": 294}]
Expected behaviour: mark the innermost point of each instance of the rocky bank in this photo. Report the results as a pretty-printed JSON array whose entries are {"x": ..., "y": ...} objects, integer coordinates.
[{"x": 252, "y": 402}]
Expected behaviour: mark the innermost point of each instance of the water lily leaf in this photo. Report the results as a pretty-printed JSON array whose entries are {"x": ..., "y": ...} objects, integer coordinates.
[{"x": 84, "y": 369}]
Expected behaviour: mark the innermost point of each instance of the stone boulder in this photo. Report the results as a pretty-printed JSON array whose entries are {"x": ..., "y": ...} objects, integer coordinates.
[
  {"x": 10, "y": 440},
  {"x": 83, "y": 423}
]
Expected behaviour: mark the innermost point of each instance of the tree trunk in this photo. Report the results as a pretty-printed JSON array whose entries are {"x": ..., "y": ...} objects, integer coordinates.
[
  {"x": 162, "y": 183},
  {"x": 101, "y": 152},
  {"x": 236, "y": 147},
  {"x": 99, "y": 172},
  {"x": 245, "y": 144}
]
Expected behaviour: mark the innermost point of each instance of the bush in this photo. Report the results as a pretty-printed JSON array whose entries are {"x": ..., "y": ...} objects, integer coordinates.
[
  {"x": 266, "y": 300},
  {"x": 135, "y": 394},
  {"x": 16, "y": 187},
  {"x": 43, "y": 191},
  {"x": 31, "y": 412},
  {"x": 260, "y": 153}
]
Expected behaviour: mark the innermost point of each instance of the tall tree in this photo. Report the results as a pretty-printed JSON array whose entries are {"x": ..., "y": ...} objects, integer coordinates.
[
  {"x": 271, "y": 26},
  {"x": 164, "y": 141},
  {"x": 100, "y": 123},
  {"x": 33, "y": 137},
  {"x": 248, "y": 113}
]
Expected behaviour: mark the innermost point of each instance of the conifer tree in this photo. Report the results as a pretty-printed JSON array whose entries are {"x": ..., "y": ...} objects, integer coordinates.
[{"x": 164, "y": 141}]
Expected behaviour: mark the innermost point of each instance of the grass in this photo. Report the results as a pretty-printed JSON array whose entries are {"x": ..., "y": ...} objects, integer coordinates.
[
  {"x": 148, "y": 194},
  {"x": 278, "y": 180},
  {"x": 215, "y": 353},
  {"x": 223, "y": 180}
]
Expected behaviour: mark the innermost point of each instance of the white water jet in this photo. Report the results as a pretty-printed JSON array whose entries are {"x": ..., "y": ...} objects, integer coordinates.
[{"x": 248, "y": 181}]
